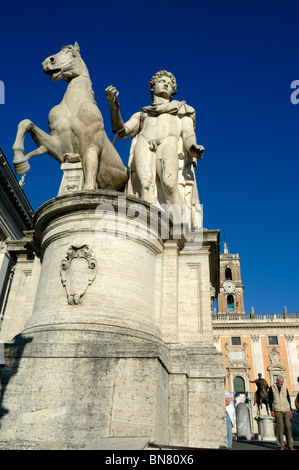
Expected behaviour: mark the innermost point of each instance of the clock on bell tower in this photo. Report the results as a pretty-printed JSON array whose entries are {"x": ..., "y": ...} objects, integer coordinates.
[{"x": 230, "y": 297}]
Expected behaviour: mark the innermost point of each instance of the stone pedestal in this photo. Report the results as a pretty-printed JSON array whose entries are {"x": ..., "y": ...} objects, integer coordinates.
[
  {"x": 72, "y": 179},
  {"x": 265, "y": 427},
  {"x": 119, "y": 343}
]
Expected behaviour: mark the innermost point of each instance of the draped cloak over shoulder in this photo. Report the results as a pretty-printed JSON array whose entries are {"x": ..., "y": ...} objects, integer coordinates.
[{"x": 178, "y": 108}]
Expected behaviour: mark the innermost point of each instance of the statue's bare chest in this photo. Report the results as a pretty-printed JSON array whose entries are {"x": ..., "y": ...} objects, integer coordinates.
[{"x": 161, "y": 126}]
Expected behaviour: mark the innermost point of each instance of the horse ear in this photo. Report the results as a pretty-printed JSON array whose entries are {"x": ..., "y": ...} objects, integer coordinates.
[{"x": 76, "y": 46}]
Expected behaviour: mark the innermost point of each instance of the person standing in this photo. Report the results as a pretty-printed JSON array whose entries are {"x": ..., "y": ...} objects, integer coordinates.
[
  {"x": 230, "y": 419},
  {"x": 281, "y": 410}
]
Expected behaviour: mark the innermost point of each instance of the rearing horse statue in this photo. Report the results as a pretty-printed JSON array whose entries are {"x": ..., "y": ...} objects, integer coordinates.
[{"x": 76, "y": 127}]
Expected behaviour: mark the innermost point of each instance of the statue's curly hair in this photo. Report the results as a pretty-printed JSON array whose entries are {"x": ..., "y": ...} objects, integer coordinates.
[{"x": 160, "y": 74}]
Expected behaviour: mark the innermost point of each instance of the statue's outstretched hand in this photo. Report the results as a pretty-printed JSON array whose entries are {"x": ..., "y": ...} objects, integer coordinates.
[
  {"x": 112, "y": 96},
  {"x": 196, "y": 151}
]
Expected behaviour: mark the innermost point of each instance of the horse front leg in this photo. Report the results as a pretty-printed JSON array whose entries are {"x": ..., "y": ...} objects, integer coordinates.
[
  {"x": 46, "y": 144},
  {"x": 20, "y": 161}
]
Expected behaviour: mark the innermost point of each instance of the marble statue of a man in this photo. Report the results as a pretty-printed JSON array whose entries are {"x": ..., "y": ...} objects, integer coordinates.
[{"x": 163, "y": 134}]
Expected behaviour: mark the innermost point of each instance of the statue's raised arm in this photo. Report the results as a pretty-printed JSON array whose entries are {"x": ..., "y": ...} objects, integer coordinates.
[{"x": 116, "y": 120}]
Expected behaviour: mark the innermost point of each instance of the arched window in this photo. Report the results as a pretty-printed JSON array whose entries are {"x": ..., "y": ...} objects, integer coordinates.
[
  {"x": 228, "y": 273},
  {"x": 239, "y": 384},
  {"x": 230, "y": 301}
]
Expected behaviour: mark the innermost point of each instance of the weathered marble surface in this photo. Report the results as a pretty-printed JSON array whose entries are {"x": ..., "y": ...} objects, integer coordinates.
[
  {"x": 134, "y": 357},
  {"x": 164, "y": 149},
  {"x": 76, "y": 127}
]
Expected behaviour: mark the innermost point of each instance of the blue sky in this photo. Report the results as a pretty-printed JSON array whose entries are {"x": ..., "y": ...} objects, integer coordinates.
[{"x": 234, "y": 62}]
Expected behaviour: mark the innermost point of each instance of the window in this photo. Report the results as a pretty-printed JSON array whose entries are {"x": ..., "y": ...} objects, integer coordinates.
[
  {"x": 236, "y": 341},
  {"x": 273, "y": 341},
  {"x": 239, "y": 384},
  {"x": 228, "y": 274},
  {"x": 230, "y": 301}
]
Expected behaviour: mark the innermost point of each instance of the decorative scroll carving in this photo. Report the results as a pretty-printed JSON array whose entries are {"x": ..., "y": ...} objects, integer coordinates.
[
  {"x": 77, "y": 270},
  {"x": 255, "y": 338},
  {"x": 289, "y": 337},
  {"x": 275, "y": 367},
  {"x": 274, "y": 356}
]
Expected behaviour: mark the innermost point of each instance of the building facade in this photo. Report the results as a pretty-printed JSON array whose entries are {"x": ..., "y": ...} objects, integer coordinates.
[
  {"x": 253, "y": 343},
  {"x": 16, "y": 217}
]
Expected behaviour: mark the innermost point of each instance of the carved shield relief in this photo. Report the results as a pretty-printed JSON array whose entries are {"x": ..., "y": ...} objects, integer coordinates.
[{"x": 78, "y": 270}]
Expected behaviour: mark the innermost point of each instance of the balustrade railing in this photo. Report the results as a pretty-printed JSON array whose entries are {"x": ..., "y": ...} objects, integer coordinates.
[{"x": 233, "y": 316}]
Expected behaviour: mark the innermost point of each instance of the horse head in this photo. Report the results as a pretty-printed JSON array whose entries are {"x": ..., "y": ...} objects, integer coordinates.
[{"x": 66, "y": 64}]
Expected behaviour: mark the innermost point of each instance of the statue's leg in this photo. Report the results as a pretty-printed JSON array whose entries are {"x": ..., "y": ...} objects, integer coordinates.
[
  {"x": 168, "y": 168},
  {"x": 46, "y": 143},
  {"x": 145, "y": 164},
  {"x": 90, "y": 163}
]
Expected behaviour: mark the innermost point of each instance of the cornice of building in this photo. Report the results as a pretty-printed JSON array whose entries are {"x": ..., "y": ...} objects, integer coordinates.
[
  {"x": 15, "y": 192},
  {"x": 287, "y": 324}
]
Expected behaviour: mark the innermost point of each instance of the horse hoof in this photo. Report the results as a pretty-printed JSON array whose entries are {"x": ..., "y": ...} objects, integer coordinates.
[
  {"x": 21, "y": 167},
  {"x": 71, "y": 157}
]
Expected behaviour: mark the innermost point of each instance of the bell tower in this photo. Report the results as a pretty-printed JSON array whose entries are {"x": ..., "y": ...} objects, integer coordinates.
[{"x": 230, "y": 298}]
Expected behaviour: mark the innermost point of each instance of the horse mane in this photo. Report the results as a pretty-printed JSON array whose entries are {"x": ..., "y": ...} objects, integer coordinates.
[{"x": 75, "y": 49}]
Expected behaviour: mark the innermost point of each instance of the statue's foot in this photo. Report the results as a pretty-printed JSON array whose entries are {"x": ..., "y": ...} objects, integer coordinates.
[{"x": 71, "y": 157}]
